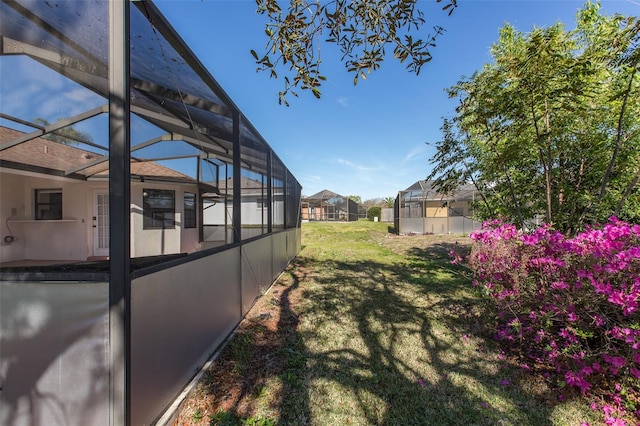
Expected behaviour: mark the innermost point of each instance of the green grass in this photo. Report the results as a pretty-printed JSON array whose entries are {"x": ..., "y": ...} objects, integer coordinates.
[
  {"x": 394, "y": 335},
  {"x": 390, "y": 333}
]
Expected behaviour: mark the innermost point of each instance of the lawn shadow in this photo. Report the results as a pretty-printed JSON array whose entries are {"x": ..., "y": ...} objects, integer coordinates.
[
  {"x": 294, "y": 402},
  {"x": 417, "y": 306},
  {"x": 257, "y": 378}
]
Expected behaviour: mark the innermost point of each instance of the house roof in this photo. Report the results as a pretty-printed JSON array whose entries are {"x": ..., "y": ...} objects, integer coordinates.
[
  {"x": 325, "y": 194},
  {"x": 49, "y": 157},
  {"x": 195, "y": 109},
  {"x": 43, "y": 153},
  {"x": 248, "y": 186}
]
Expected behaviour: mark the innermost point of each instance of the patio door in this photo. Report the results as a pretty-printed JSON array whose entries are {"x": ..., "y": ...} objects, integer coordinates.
[{"x": 101, "y": 223}]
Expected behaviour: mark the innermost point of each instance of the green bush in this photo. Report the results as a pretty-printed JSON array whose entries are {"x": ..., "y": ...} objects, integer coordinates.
[{"x": 374, "y": 212}]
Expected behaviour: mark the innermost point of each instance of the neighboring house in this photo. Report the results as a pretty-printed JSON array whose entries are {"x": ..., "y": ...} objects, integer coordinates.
[
  {"x": 61, "y": 191},
  {"x": 329, "y": 206},
  {"x": 422, "y": 209}
]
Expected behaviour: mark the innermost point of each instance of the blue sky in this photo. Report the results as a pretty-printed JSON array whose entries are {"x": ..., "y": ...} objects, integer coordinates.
[{"x": 369, "y": 139}]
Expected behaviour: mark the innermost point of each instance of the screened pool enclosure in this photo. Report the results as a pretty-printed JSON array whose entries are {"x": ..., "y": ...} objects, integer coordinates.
[
  {"x": 142, "y": 214},
  {"x": 422, "y": 209},
  {"x": 327, "y": 206}
]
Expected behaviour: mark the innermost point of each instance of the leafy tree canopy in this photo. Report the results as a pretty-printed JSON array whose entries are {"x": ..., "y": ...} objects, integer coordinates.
[
  {"x": 66, "y": 135},
  {"x": 373, "y": 202},
  {"x": 363, "y": 30},
  {"x": 552, "y": 127},
  {"x": 355, "y": 198},
  {"x": 389, "y": 201},
  {"x": 373, "y": 212}
]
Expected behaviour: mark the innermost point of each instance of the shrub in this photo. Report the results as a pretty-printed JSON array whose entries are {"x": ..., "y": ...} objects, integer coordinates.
[
  {"x": 375, "y": 211},
  {"x": 568, "y": 305}
]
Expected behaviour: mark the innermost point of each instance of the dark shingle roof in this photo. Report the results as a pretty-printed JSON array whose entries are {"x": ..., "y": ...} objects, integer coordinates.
[
  {"x": 325, "y": 194},
  {"x": 46, "y": 154}
]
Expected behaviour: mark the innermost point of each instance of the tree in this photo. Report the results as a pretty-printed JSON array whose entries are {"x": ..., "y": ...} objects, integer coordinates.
[
  {"x": 552, "y": 126},
  {"x": 66, "y": 136},
  {"x": 372, "y": 202},
  {"x": 355, "y": 198},
  {"x": 362, "y": 30},
  {"x": 454, "y": 165},
  {"x": 389, "y": 202},
  {"x": 374, "y": 212}
]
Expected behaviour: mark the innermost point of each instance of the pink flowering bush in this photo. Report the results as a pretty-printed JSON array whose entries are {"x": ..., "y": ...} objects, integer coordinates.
[{"x": 568, "y": 305}]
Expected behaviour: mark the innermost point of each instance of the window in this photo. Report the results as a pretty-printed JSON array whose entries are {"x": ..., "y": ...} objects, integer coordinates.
[
  {"x": 189, "y": 220},
  {"x": 159, "y": 208},
  {"x": 261, "y": 203},
  {"x": 48, "y": 204}
]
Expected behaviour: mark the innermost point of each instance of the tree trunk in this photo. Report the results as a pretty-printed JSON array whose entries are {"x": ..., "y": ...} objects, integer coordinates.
[
  {"x": 627, "y": 192},
  {"x": 616, "y": 149}
]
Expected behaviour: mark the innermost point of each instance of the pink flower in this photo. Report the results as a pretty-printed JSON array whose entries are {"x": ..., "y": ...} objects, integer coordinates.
[
  {"x": 586, "y": 370},
  {"x": 557, "y": 297},
  {"x": 617, "y": 298},
  {"x": 616, "y": 361},
  {"x": 614, "y": 421},
  {"x": 559, "y": 285},
  {"x": 574, "y": 379},
  {"x": 505, "y": 382}
]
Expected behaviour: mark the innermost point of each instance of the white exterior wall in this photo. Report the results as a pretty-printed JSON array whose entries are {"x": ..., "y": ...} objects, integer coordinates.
[
  {"x": 214, "y": 213},
  {"x": 71, "y": 239},
  {"x": 11, "y": 197},
  {"x": 41, "y": 239},
  {"x": 278, "y": 214},
  {"x": 252, "y": 214},
  {"x": 152, "y": 242}
]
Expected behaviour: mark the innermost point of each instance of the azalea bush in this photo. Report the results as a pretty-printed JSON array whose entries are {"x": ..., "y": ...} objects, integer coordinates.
[{"x": 568, "y": 306}]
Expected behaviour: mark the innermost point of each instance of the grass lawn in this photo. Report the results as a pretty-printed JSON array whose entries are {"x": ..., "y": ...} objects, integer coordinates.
[{"x": 368, "y": 328}]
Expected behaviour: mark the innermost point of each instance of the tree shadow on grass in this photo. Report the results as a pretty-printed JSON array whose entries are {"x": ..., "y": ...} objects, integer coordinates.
[
  {"x": 371, "y": 342},
  {"x": 403, "y": 344}
]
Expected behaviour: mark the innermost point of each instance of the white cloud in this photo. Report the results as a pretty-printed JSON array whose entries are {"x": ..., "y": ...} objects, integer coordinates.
[
  {"x": 344, "y": 101},
  {"x": 358, "y": 167},
  {"x": 418, "y": 151}
]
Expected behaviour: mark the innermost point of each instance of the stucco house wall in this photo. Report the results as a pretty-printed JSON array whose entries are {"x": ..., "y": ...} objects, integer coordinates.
[{"x": 72, "y": 237}]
